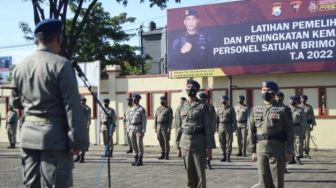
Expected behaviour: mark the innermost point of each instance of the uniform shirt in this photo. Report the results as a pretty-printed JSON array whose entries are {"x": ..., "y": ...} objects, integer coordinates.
[
  {"x": 196, "y": 57},
  {"x": 226, "y": 117},
  {"x": 87, "y": 114},
  {"x": 309, "y": 112},
  {"x": 12, "y": 118},
  {"x": 242, "y": 114},
  {"x": 47, "y": 87},
  {"x": 126, "y": 119},
  {"x": 299, "y": 117},
  {"x": 163, "y": 117},
  {"x": 270, "y": 119},
  {"x": 138, "y": 119},
  {"x": 105, "y": 121},
  {"x": 193, "y": 116}
]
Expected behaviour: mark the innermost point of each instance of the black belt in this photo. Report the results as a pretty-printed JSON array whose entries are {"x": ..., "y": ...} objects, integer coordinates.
[
  {"x": 163, "y": 121},
  {"x": 242, "y": 121},
  {"x": 297, "y": 124},
  {"x": 282, "y": 137},
  {"x": 226, "y": 122},
  {"x": 193, "y": 131}
]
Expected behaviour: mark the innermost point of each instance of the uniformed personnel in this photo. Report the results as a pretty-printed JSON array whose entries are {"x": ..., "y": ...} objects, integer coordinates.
[
  {"x": 203, "y": 97},
  {"x": 87, "y": 120},
  {"x": 299, "y": 123},
  {"x": 127, "y": 125},
  {"x": 53, "y": 129},
  {"x": 177, "y": 126},
  {"x": 189, "y": 49},
  {"x": 162, "y": 126},
  {"x": 226, "y": 125},
  {"x": 242, "y": 114},
  {"x": 311, "y": 122},
  {"x": 11, "y": 125},
  {"x": 138, "y": 122},
  {"x": 197, "y": 138},
  {"x": 270, "y": 136},
  {"x": 107, "y": 127}
]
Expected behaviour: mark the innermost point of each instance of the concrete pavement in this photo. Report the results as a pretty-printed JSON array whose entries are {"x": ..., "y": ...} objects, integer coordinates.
[{"x": 240, "y": 173}]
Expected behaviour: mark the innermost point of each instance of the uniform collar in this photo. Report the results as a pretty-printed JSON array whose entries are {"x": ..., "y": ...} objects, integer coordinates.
[{"x": 44, "y": 48}]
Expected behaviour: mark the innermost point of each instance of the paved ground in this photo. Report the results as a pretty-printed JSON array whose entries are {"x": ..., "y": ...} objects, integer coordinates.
[{"x": 241, "y": 173}]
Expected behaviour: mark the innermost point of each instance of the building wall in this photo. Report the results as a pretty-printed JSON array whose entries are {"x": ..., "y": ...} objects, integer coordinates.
[{"x": 319, "y": 87}]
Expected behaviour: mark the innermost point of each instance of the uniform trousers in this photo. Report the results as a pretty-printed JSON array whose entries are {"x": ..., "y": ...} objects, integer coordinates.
[
  {"x": 271, "y": 170},
  {"x": 194, "y": 163},
  {"x": 47, "y": 169},
  {"x": 137, "y": 142},
  {"x": 163, "y": 137}
]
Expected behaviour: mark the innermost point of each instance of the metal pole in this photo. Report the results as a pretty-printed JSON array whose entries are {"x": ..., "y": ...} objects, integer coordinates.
[
  {"x": 230, "y": 90},
  {"x": 142, "y": 51}
]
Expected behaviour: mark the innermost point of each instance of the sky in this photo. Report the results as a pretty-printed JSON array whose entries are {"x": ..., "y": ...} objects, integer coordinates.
[{"x": 12, "y": 12}]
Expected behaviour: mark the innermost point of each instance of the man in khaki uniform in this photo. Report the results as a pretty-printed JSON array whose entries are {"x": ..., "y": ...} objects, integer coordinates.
[
  {"x": 127, "y": 125},
  {"x": 177, "y": 126},
  {"x": 107, "y": 127},
  {"x": 299, "y": 123},
  {"x": 162, "y": 126},
  {"x": 197, "y": 137},
  {"x": 137, "y": 121},
  {"x": 270, "y": 136},
  {"x": 279, "y": 98},
  {"x": 11, "y": 124},
  {"x": 203, "y": 97},
  {"x": 311, "y": 122},
  {"x": 226, "y": 125},
  {"x": 87, "y": 120},
  {"x": 242, "y": 114},
  {"x": 53, "y": 130}
]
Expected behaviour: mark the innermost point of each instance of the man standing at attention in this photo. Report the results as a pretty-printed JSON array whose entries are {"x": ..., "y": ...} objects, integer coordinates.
[
  {"x": 162, "y": 125},
  {"x": 311, "y": 122},
  {"x": 138, "y": 122},
  {"x": 197, "y": 140},
  {"x": 270, "y": 128},
  {"x": 242, "y": 114},
  {"x": 127, "y": 125},
  {"x": 11, "y": 124},
  {"x": 53, "y": 130},
  {"x": 226, "y": 125},
  {"x": 107, "y": 123}
]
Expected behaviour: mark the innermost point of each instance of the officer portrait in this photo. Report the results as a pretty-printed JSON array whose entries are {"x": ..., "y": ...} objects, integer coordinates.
[{"x": 189, "y": 49}]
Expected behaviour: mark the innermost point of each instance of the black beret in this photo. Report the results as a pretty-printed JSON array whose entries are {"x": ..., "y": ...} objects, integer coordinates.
[
  {"x": 183, "y": 98},
  {"x": 294, "y": 98},
  {"x": 194, "y": 83},
  {"x": 224, "y": 97},
  {"x": 280, "y": 94},
  {"x": 241, "y": 97},
  {"x": 304, "y": 97},
  {"x": 202, "y": 95},
  {"x": 106, "y": 100},
  {"x": 191, "y": 12},
  {"x": 129, "y": 99},
  {"x": 83, "y": 98},
  {"x": 48, "y": 26},
  {"x": 272, "y": 85},
  {"x": 136, "y": 96},
  {"x": 163, "y": 98}
]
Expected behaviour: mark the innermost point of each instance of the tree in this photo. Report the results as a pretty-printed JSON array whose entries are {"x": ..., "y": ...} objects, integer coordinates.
[
  {"x": 101, "y": 37},
  {"x": 59, "y": 9}
]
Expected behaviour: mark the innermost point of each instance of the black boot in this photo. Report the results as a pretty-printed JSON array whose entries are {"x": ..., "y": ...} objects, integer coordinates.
[
  {"x": 162, "y": 156},
  {"x": 82, "y": 155},
  {"x": 228, "y": 158},
  {"x": 223, "y": 158},
  {"x": 136, "y": 157},
  {"x": 76, "y": 159},
  {"x": 297, "y": 160},
  {"x": 209, "y": 165},
  {"x": 111, "y": 153},
  {"x": 292, "y": 161},
  {"x": 244, "y": 154},
  {"x": 129, "y": 151},
  {"x": 139, "y": 163},
  {"x": 166, "y": 156},
  {"x": 239, "y": 154}
]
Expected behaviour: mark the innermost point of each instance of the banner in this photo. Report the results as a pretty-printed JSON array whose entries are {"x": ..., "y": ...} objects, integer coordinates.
[{"x": 252, "y": 37}]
